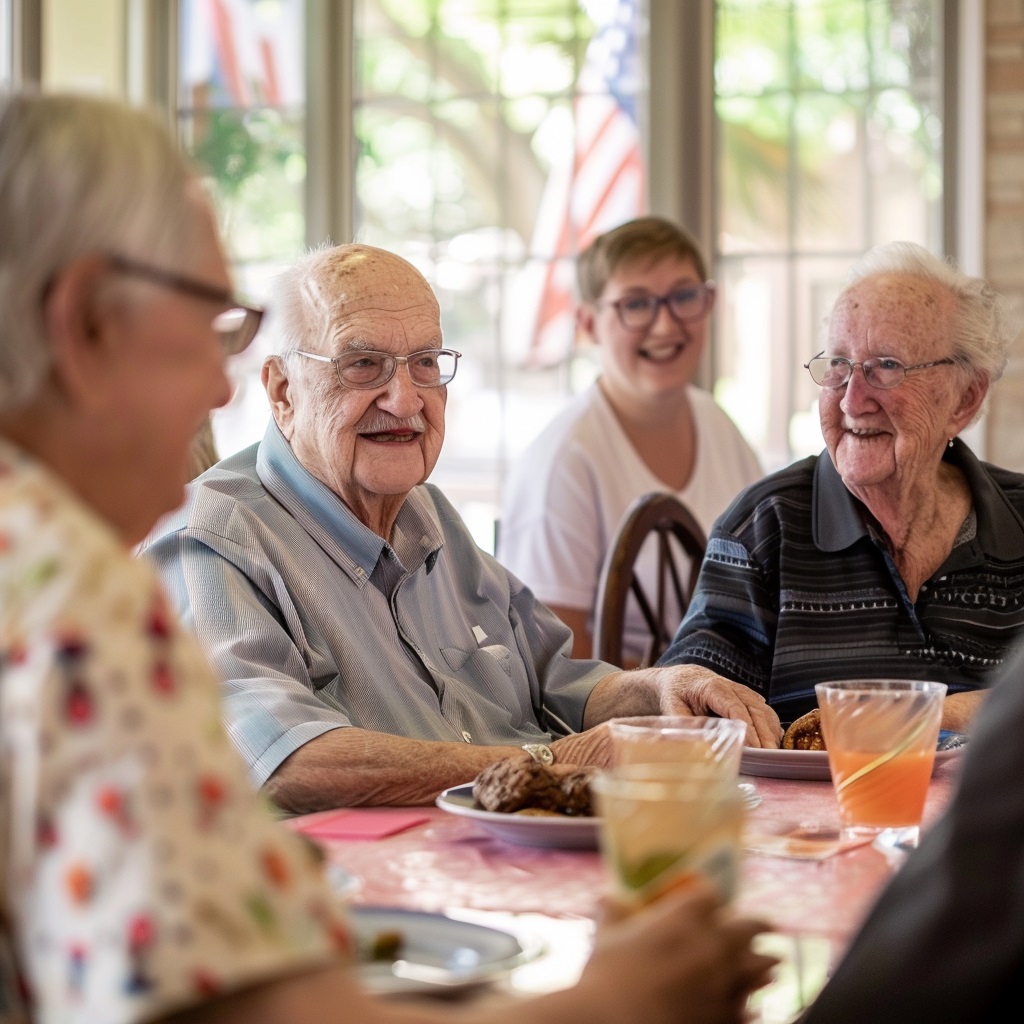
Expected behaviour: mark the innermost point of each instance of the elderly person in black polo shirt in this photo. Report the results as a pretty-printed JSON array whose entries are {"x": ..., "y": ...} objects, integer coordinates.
[{"x": 897, "y": 553}]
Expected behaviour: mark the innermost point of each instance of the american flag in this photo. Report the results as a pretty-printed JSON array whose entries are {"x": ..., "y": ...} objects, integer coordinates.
[
  {"x": 242, "y": 57},
  {"x": 601, "y": 182}
]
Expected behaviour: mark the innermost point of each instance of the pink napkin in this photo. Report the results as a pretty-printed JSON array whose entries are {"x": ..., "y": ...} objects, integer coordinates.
[{"x": 347, "y": 823}]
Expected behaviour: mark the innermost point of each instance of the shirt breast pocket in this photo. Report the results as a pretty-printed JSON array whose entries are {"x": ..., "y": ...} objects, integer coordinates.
[{"x": 484, "y": 658}]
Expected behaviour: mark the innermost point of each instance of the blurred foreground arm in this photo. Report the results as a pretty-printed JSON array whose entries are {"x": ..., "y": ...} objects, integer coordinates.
[{"x": 681, "y": 961}]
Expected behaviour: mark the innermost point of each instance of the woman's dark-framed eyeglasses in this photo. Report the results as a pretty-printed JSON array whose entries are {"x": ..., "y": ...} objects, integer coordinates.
[
  {"x": 880, "y": 371},
  {"x": 688, "y": 302},
  {"x": 365, "y": 369},
  {"x": 235, "y": 325}
]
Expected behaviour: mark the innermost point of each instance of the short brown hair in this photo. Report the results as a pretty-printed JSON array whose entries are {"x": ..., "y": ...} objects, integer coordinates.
[{"x": 649, "y": 238}]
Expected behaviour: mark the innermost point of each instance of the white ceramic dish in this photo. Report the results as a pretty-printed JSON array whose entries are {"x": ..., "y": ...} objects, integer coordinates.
[
  {"x": 805, "y": 764},
  {"x": 525, "y": 829},
  {"x": 438, "y": 953},
  {"x": 539, "y": 830}
]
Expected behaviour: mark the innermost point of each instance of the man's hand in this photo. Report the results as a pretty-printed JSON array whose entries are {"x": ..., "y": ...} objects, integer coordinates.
[
  {"x": 692, "y": 690},
  {"x": 683, "y": 690},
  {"x": 959, "y": 709}
]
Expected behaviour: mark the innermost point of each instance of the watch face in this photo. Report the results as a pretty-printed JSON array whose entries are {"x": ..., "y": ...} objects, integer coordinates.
[{"x": 540, "y": 752}]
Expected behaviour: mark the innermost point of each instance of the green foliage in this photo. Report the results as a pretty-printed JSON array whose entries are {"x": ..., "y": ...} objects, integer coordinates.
[
  {"x": 256, "y": 162},
  {"x": 803, "y": 86},
  {"x": 226, "y": 149}
]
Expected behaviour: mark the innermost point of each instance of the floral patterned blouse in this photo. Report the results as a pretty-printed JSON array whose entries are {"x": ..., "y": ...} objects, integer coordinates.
[{"x": 139, "y": 872}]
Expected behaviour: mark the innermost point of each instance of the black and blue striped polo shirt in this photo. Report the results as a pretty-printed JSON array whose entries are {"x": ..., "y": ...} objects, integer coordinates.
[{"x": 796, "y": 589}]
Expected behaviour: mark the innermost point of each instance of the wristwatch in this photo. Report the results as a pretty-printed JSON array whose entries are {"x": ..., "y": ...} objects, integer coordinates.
[{"x": 540, "y": 752}]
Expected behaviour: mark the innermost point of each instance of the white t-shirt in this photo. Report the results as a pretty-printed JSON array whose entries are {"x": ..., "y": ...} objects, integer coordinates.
[{"x": 569, "y": 492}]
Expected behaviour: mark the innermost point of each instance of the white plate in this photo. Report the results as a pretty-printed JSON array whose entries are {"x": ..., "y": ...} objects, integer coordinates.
[
  {"x": 539, "y": 830},
  {"x": 437, "y": 953},
  {"x": 526, "y": 829},
  {"x": 774, "y": 763}
]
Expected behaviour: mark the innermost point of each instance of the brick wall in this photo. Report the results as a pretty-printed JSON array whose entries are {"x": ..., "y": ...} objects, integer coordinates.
[{"x": 1004, "y": 212}]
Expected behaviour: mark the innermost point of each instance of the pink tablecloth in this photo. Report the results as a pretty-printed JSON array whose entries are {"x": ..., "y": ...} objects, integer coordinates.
[{"x": 449, "y": 862}]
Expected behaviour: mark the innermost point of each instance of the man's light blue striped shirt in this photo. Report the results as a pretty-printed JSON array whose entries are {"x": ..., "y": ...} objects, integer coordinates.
[{"x": 314, "y": 622}]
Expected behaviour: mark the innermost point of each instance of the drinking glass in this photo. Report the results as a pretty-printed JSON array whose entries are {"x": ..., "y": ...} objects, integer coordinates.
[
  {"x": 881, "y": 736},
  {"x": 661, "y": 824},
  {"x": 716, "y": 744}
]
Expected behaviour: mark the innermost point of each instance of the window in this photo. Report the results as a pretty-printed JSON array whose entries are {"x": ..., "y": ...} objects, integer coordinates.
[
  {"x": 830, "y": 140},
  {"x": 6, "y": 54},
  {"x": 804, "y": 131},
  {"x": 492, "y": 140},
  {"x": 241, "y": 111},
  {"x": 19, "y": 41}
]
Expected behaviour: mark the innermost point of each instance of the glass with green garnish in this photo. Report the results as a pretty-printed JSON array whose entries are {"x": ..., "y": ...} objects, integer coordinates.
[{"x": 663, "y": 824}]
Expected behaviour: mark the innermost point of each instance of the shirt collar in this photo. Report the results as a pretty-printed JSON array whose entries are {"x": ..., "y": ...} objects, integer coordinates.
[
  {"x": 837, "y": 521},
  {"x": 328, "y": 520}
]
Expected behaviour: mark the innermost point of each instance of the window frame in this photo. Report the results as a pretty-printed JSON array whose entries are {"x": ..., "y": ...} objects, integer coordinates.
[
  {"x": 680, "y": 55},
  {"x": 681, "y": 63}
]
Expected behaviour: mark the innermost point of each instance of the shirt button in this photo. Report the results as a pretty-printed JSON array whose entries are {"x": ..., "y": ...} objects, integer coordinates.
[{"x": 467, "y": 737}]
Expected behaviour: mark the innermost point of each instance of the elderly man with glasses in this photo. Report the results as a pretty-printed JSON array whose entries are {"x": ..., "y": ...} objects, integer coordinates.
[
  {"x": 896, "y": 552},
  {"x": 370, "y": 652}
]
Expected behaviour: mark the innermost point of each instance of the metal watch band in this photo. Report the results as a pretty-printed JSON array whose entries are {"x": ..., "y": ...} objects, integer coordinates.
[{"x": 540, "y": 752}]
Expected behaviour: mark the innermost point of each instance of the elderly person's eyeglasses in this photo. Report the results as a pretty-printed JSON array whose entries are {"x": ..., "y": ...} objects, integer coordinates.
[
  {"x": 235, "y": 325},
  {"x": 880, "y": 372},
  {"x": 638, "y": 312},
  {"x": 365, "y": 369}
]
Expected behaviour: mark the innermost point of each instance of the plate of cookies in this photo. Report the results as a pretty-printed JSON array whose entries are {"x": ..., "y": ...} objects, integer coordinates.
[
  {"x": 803, "y": 754},
  {"x": 528, "y": 828},
  {"x": 532, "y": 804},
  {"x": 525, "y": 802}
]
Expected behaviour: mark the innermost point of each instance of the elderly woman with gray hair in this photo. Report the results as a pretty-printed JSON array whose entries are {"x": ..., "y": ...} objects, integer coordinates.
[{"x": 896, "y": 552}]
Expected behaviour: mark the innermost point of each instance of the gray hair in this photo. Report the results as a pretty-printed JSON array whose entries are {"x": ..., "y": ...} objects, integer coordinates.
[
  {"x": 78, "y": 175},
  {"x": 298, "y": 315},
  {"x": 983, "y": 326},
  {"x": 306, "y": 296}
]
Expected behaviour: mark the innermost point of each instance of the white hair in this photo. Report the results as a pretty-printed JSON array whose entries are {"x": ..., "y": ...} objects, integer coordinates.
[
  {"x": 983, "y": 326},
  {"x": 296, "y": 317}
]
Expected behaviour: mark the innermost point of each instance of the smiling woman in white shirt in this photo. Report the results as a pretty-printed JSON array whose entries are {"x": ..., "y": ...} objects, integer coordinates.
[{"x": 645, "y": 302}]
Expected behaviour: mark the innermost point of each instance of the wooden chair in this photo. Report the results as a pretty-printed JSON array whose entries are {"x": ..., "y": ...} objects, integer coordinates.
[{"x": 666, "y": 518}]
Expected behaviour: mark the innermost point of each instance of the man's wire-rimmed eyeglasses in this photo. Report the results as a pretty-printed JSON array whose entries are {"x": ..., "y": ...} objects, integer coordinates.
[
  {"x": 688, "y": 302},
  {"x": 235, "y": 325},
  {"x": 366, "y": 369},
  {"x": 880, "y": 371}
]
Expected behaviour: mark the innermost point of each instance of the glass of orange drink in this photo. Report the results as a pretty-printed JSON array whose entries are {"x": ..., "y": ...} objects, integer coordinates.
[{"x": 881, "y": 736}]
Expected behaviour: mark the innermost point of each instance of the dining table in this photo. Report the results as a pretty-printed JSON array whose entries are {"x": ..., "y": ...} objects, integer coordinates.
[{"x": 795, "y": 874}]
